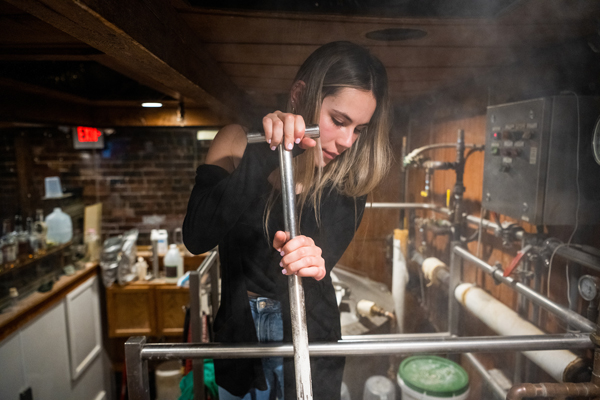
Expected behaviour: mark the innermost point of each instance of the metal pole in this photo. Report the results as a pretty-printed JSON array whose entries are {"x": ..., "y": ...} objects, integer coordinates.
[
  {"x": 214, "y": 287},
  {"x": 496, "y": 388},
  {"x": 563, "y": 313},
  {"x": 296, "y": 291},
  {"x": 207, "y": 263},
  {"x": 196, "y": 327},
  {"x": 454, "y": 345},
  {"x": 311, "y": 131},
  {"x": 136, "y": 369},
  {"x": 454, "y": 281}
]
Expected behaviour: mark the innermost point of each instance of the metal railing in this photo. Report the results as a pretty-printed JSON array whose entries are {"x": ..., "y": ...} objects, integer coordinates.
[
  {"x": 138, "y": 352},
  {"x": 209, "y": 265}
]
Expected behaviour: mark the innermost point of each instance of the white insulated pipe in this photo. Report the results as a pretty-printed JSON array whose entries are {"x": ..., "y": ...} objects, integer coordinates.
[
  {"x": 507, "y": 322},
  {"x": 399, "y": 275}
]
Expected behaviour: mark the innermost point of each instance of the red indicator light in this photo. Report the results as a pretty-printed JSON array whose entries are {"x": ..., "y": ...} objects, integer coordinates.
[
  {"x": 495, "y": 134},
  {"x": 87, "y": 134}
]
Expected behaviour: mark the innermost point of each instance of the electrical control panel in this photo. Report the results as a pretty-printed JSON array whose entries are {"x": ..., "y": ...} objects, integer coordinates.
[{"x": 539, "y": 156}]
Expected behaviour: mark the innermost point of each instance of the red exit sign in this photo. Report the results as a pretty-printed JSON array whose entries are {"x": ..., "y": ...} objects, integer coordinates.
[
  {"x": 87, "y": 134},
  {"x": 85, "y": 137}
]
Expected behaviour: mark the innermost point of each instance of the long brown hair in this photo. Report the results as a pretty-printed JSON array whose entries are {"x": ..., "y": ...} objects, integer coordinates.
[{"x": 358, "y": 170}]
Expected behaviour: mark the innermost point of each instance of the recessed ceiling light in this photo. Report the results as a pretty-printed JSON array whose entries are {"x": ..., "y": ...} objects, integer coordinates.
[
  {"x": 206, "y": 134},
  {"x": 151, "y": 104},
  {"x": 395, "y": 34}
]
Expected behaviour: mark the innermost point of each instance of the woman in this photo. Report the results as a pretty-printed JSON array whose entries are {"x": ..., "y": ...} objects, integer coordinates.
[{"x": 236, "y": 204}]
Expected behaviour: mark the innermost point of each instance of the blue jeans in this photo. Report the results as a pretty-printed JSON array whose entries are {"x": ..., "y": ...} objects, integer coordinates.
[{"x": 269, "y": 328}]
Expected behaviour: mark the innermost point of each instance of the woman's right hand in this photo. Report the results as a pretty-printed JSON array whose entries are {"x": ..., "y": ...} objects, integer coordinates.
[{"x": 286, "y": 128}]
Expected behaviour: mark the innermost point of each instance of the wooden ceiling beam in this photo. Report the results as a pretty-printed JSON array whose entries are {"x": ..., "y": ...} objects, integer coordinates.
[
  {"x": 147, "y": 36},
  {"x": 145, "y": 80}
]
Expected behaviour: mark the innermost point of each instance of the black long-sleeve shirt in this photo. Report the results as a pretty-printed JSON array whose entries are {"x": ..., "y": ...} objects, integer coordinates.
[{"x": 228, "y": 210}]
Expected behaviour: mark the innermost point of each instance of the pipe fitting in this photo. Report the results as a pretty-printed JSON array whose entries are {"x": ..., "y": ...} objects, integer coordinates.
[{"x": 430, "y": 268}]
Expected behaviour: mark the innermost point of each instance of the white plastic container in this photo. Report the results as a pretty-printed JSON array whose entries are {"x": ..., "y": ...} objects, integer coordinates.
[
  {"x": 60, "y": 227},
  {"x": 142, "y": 268},
  {"x": 345, "y": 395},
  {"x": 173, "y": 264},
  {"x": 53, "y": 187},
  {"x": 168, "y": 375},
  {"x": 161, "y": 236},
  {"x": 379, "y": 387},
  {"x": 94, "y": 247}
]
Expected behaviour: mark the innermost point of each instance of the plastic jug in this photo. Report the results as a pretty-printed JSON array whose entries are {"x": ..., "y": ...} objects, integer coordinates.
[
  {"x": 173, "y": 264},
  {"x": 161, "y": 237},
  {"x": 60, "y": 227}
]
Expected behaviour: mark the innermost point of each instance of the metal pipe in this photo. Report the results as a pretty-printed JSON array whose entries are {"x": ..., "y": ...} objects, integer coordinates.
[
  {"x": 483, "y": 372},
  {"x": 553, "y": 390},
  {"x": 410, "y": 206},
  {"x": 394, "y": 336},
  {"x": 311, "y": 131},
  {"x": 567, "y": 252},
  {"x": 453, "y": 282},
  {"x": 196, "y": 330},
  {"x": 486, "y": 224},
  {"x": 453, "y": 345},
  {"x": 575, "y": 255},
  {"x": 214, "y": 287},
  {"x": 207, "y": 263},
  {"x": 296, "y": 291},
  {"x": 409, "y": 158},
  {"x": 563, "y": 313}
]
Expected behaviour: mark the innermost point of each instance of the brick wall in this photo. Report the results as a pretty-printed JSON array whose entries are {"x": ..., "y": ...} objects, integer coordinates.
[{"x": 143, "y": 177}]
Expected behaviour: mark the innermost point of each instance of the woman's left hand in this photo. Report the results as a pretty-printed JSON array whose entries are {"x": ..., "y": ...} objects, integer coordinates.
[{"x": 300, "y": 256}]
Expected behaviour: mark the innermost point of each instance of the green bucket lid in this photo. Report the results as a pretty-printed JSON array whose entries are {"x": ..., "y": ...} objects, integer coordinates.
[{"x": 433, "y": 375}]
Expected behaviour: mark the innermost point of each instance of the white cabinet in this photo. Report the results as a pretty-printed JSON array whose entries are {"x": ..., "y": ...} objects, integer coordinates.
[
  {"x": 12, "y": 377},
  {"x": 57, "y": 354},
  {"x": 45, "y": 355},
  {"x": 83, "y": 326}
]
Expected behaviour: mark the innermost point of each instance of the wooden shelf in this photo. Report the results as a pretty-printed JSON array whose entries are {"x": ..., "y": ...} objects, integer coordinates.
[{"x": 25, "y": 261}]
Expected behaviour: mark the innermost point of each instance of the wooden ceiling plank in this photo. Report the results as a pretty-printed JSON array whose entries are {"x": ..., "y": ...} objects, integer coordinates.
[
  {"x": 219, "y": 28},
  {"x": 149, "y": 37},
  {"x": 397, "y": 57}
]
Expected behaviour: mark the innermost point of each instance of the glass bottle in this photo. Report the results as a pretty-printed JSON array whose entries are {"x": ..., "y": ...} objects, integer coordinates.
[
  {"x": 39, "y": 231},
  {"x": 33, "y": 244},
  {"x": 24, "y": 249},
  {"x": 9, "y": 243}
]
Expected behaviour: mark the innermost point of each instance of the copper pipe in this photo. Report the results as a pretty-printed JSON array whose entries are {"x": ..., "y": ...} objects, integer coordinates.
[
  {"x": 563, "y": 390},
  {"x": 553, "y": 390}
]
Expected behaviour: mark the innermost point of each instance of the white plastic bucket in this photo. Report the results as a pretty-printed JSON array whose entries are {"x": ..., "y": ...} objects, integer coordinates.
[
  {"x": 432, "y": 378},
  {"x": 379, "y": 387},
  {"x": 168, "y": 376},
  {"x": 410, "y": 394}
]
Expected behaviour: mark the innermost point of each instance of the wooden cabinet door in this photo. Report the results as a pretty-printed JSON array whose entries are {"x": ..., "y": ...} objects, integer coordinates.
[
  {"x": 131, "y": 311},
  {"x": 170, "y": 312}
]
